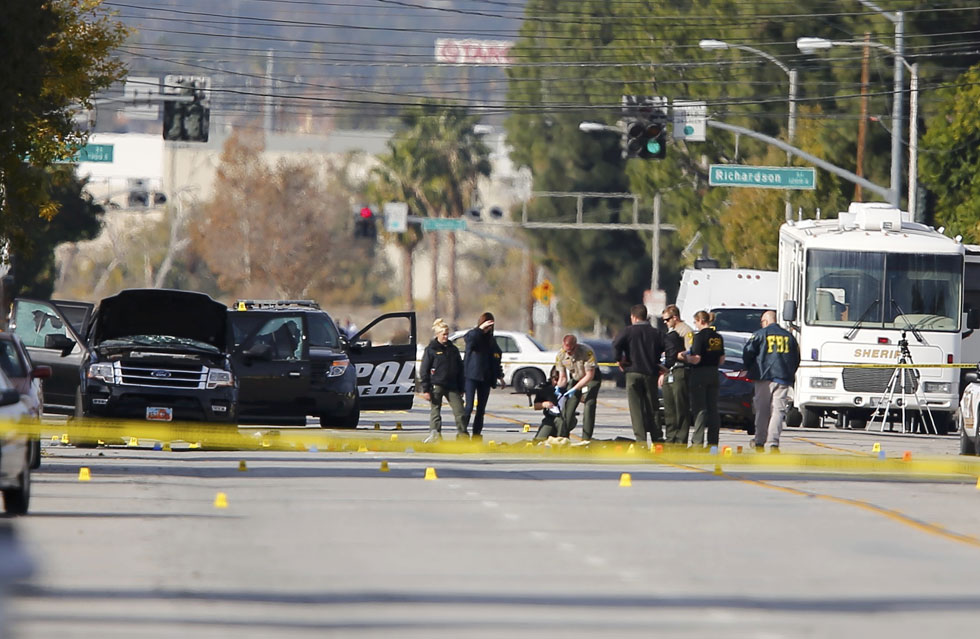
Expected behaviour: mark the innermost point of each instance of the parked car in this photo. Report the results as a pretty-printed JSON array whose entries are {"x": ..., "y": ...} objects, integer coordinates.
[
  {"x": 526, "y": 362},
  {"x": 15, "y": 449},
  {"x": 967, "y": 416},
  {"x": 153, "y": 354},
  {"x": 292, "y": 361},
  {"x": 605, "y": 354},
  {"x": 26, "y": 378}
]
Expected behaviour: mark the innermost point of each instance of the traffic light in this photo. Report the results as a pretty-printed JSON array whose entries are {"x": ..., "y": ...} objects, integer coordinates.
[
  {"x": 364, "y": 223},
  {"x": 187, "y": 121},
  {"x": 646, "y": 127}
]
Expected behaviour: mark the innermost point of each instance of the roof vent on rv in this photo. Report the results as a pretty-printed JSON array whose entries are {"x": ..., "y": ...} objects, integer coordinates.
[{"x": 872, "y": 216}]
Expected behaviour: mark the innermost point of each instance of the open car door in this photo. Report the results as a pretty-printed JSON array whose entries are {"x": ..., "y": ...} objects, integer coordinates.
[
  {"x": 384, "y": 354},
  {"x": 53, "y": 338}
]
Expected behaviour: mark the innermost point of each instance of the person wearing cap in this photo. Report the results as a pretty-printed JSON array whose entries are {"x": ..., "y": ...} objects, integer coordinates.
[{"x": 441, "y": 375}]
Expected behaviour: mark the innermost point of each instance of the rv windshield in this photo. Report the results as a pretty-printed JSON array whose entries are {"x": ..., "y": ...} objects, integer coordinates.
[{"x": 913, "y": 290}]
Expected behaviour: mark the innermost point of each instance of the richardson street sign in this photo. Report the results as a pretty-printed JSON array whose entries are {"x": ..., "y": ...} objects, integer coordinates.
[{"x": 763, "y": 177}]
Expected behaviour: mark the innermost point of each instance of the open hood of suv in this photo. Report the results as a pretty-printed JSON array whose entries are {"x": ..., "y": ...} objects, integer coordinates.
[{"x": 183, "y": 314}]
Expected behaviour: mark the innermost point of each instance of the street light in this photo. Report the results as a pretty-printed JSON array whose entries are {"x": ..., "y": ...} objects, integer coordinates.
[
  {"x": 719, "y": 45},
  {"x": 812, "y": 45}
]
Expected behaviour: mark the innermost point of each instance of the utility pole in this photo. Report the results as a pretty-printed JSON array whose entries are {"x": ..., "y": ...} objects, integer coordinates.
[
  {"x": 269, "y": 59},
  {"x": 863, "y": 123}
]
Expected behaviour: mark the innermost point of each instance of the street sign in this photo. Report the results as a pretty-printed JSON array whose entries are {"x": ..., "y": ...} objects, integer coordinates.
[
  {"x": 543, "y": 292},
  {"x": 396, "y": 217},
  {"x": 142, "y": 93},
  {"x": 90, "y": 153},
  {"x": 690, "y": 120},
  {"x": 763, "y": 177},
  {"x": 443, "y": 224}
]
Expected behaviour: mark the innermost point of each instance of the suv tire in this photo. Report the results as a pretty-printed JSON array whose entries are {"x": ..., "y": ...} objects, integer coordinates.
[
  {"x": 350, "y": 420},
  {"x": 16, "y": 500}
]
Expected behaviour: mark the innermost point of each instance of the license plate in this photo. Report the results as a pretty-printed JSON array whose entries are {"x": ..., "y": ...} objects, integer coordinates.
[{"x": 159, "y": 414}]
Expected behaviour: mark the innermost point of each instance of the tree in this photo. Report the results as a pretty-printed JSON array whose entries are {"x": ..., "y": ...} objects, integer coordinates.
[
  {"x": 79, "y": 218},
  {"x": 280, "y": 231},
  {"x": 576, "y": 68},
  {"x": 950, "y": 158},
  {"x": 57, "y": 56}
]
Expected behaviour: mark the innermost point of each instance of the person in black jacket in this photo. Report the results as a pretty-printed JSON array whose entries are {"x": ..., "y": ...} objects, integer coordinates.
[
  {"x": 441, "y": 375},
  {"x": 707, "y": 351},
  {"x": 771, "y": 357},
  {"x": 638, "y": 349},
  {"x": 482, "y": 368}
]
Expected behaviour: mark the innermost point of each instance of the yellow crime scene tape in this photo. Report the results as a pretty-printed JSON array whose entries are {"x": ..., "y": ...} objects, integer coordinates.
[{"x": 175, "y": 436}]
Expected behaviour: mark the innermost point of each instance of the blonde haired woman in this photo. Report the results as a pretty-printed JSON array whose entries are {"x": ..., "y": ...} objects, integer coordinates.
[{"x": 441, "y": 375}]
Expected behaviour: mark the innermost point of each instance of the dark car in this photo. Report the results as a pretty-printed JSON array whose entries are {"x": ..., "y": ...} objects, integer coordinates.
[
  {"x": 292, "y": 361},
  {"x": 604, "y": 355},
  {"x": 158, "y": 355},
  {"x": 26, "y": 378},
  {"x": 151, "y": 354}
]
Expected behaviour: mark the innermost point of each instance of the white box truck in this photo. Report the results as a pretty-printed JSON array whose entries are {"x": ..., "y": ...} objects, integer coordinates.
[
  {"x": 869, "y": 288},
  {"x": 738, "y": 297}
]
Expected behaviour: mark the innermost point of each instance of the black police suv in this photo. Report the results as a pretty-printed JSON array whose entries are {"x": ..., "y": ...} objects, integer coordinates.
[{"x": 292, "y": 361}]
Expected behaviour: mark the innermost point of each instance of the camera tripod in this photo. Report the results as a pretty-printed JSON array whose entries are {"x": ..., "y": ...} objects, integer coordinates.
[{"x": 895, "y": 397}]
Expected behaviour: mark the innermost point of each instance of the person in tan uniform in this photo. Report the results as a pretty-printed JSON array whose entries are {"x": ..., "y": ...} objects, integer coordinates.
[
  {"x": 579, "y": 376},
  {"x": 677, "y": 405}
]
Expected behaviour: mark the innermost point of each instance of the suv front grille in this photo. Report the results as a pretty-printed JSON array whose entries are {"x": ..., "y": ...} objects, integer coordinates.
[
  {"x": 875, "y": 380},
  {"x": 169, "y": 376}
]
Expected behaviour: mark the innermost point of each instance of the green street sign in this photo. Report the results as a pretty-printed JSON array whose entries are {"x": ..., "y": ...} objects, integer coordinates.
[
  {"x": 90, "y": 153},
  {"x": 763, "y": 177},
  {"x": 443, "y": 224}
]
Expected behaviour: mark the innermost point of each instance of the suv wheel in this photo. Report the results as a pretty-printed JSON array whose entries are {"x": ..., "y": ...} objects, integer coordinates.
[
  {"x": 349, "y": 420},
  {"x": 16, "y": 500}
]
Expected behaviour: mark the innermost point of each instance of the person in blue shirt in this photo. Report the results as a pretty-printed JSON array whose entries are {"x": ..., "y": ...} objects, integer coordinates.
[{"x": 771, "y": 357}]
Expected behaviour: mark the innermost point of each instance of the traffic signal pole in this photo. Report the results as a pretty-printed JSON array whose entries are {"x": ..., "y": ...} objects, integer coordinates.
[{"x": 812, "y": 159}]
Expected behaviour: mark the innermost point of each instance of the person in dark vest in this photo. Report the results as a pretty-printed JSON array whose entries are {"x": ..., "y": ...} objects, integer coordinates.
[
  {"x": 482, "y": 368},
  {"x": 707, "y": 351},
  {"x": 638, "y": 349},
  {"x": 441, "y": 375},
  {"x": 771, "y": 357}
]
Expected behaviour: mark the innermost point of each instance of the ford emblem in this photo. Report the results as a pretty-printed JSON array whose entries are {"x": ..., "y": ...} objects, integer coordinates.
[{"x": 160, "y": 373}]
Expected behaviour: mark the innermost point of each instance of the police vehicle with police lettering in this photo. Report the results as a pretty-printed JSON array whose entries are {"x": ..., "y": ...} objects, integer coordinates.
[{"x": 292, "y": 361}]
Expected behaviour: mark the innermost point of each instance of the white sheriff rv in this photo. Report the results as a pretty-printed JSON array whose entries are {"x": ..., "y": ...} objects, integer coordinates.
[{"x": 856, "y": 290}]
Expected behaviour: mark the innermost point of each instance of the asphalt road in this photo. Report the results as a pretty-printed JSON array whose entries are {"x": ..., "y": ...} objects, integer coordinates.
[{"x": 323, "y": 543}]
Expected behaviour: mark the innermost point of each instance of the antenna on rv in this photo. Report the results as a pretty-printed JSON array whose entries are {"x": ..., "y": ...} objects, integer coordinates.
[
  {"x": 941, "y": 229},
  {"x": 789, "y": 215},
  {"x": 799, "y": 214},
  {"x": 818, "y": 212}
]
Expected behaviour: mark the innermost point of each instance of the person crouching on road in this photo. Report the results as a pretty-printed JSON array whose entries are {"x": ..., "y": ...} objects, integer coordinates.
[
  {"x": 546, "y": 399},
  {"x": 771, "y": 357},
  {"x": 578, "y": 373},
  {"x": 441, "y": 375},
  {"x": 707, "y": 351},
  {"x": 481, "y": 368},
  {"x": 638, "y": 349}
]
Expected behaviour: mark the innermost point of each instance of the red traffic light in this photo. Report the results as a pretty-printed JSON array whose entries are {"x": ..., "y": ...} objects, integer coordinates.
[{"x": 366, "y": 212}]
